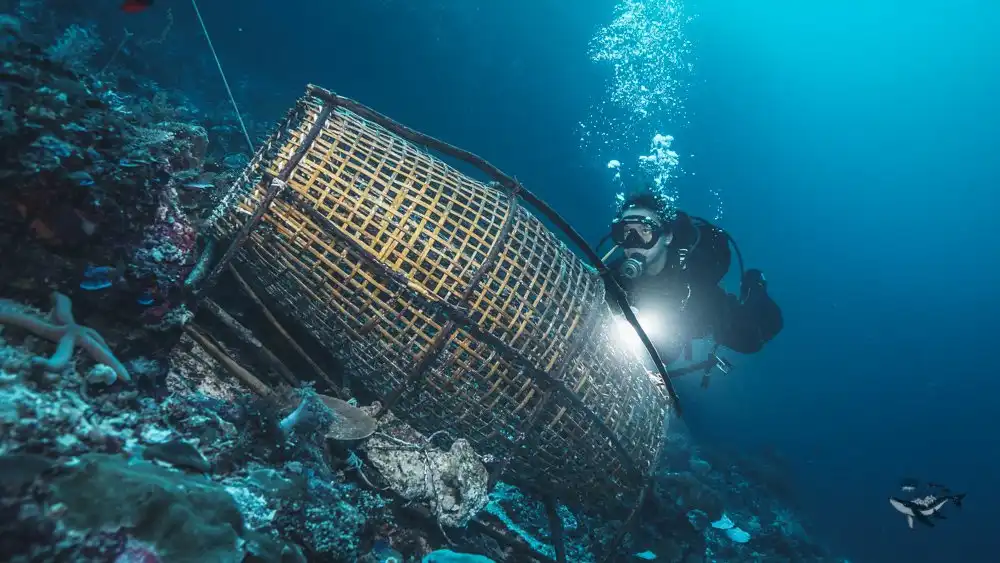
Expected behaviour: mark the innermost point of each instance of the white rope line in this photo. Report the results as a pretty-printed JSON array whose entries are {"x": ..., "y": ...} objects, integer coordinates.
[{"x": 222, "y": 73}]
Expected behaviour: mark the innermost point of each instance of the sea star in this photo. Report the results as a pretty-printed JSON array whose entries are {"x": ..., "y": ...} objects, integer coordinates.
[{"x": 62, "y": 329}]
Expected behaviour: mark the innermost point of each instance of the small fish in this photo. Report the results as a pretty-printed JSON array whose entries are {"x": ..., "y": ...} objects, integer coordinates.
[
  {"x": 136, "y": 6},
  {"x": 102, "y": 277},
  {"x": 908, "y": 484},
  {"x": 95, "y": 284},
  {"x": 925, "y": 508}
]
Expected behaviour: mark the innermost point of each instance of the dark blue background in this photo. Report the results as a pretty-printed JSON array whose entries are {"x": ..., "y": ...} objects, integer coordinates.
[{"x": 854, "y": 143}]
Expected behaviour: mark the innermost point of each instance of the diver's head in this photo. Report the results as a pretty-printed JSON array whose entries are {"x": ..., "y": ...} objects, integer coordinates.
[{"x": 642, "y": 231}]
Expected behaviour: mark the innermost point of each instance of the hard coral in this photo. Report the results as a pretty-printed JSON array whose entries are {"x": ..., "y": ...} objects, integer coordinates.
[
  {"x": 62, "y": 328},
  {"x": 88, "y": 183},
  {"x": 325, "y": 516}
]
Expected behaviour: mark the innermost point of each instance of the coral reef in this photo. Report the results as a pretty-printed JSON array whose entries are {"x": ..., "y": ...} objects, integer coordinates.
[
  {"x": 61, "y": 453},
  {"x": 105, "y": 178}
]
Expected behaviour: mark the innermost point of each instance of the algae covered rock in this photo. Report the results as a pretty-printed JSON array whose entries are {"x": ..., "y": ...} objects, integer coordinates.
[
  {"x": 186, "y": 518},
  {"x": 453, "y": 483}
]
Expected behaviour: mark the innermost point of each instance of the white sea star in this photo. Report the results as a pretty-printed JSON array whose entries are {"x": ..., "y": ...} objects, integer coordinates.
[{"x": 62, "y": 329}]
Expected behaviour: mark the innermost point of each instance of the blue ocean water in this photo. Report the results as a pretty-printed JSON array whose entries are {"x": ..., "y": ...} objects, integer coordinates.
[
  {"x": 853, "y": 147},
  {"x": 847, "y": 146},
  {"x": 855, "y": 142}
]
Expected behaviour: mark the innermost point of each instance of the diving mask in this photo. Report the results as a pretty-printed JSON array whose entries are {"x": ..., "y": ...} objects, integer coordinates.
[{"x": 636, "y": 231}]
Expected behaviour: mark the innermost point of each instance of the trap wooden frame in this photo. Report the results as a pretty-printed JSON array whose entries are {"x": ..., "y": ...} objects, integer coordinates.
[{"x": 462, "y": 310}]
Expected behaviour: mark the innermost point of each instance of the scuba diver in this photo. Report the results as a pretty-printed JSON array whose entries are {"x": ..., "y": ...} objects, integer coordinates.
[{"x": 671, "y": 266}]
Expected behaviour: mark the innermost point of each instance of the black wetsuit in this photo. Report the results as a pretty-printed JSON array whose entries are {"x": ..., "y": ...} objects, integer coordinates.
[{"x": 689, "y": 302}]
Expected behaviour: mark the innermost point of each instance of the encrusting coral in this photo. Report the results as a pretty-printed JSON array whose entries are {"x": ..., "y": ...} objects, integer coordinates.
[{"x": 62, "y": 329}]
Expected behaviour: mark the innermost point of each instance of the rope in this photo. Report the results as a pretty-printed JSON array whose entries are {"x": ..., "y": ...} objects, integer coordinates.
[{"x": 222, "y": 73}]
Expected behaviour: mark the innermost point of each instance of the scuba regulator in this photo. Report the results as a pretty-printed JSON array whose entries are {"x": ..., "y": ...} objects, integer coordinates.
[{"x": 633, "y": 267}]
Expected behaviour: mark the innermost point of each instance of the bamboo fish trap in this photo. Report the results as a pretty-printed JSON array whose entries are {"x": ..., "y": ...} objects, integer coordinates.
[{"x": 461, "y": 309}]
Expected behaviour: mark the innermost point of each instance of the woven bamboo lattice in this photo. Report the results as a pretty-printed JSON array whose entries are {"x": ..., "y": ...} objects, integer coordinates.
[{"x": 461, "y": 310}]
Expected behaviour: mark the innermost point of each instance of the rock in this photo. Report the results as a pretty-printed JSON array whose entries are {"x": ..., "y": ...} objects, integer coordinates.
[
  {"x": 178, "y": 453},
  {"x": 186, "y": 518},
  {"x": 699, "y": 520},
  {"x": 686, "y": 491},
  {"x": 452, "y": 483},
  {"x": 700, "y": 466},
  {"x": 262, "y": 548},
  {"x": 19, "y": 470}
]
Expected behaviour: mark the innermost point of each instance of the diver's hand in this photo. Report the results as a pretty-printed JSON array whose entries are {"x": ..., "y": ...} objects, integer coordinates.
[
  {"x": 766, "y": 313},
  {"x": 753, "y": 286}
]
